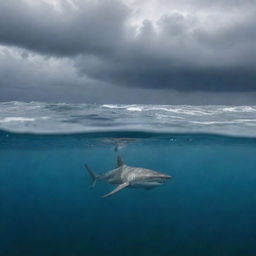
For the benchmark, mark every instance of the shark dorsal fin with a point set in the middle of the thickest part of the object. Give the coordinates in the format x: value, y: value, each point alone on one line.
x: 120, y: 161
x: 118, y: 188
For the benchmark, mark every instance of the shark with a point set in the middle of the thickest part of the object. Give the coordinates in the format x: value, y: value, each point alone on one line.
x: 124, y: 176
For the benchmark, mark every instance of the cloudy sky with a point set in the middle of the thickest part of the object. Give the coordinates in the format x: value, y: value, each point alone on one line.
x: 132, y: 51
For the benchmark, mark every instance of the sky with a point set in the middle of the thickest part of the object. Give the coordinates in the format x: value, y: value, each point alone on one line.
x: 132, y: 52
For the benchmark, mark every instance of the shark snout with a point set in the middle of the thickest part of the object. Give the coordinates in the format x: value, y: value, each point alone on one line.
x: 165, y: 176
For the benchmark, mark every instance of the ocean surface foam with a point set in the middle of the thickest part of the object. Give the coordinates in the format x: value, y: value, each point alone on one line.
x: 16, y: 119
x: 59, y: 118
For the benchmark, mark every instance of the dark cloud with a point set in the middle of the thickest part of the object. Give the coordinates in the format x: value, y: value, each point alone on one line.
x: 95, y: 45
x: 181, y: 79
x: 95, y: 27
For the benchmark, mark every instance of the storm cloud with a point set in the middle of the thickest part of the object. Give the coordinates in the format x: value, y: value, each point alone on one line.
x: 91, y: 47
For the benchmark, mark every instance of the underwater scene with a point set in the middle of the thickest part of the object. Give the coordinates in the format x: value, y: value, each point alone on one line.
x: 184, y: 180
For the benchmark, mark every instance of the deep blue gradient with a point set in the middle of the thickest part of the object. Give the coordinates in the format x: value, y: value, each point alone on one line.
x: 47, y: 207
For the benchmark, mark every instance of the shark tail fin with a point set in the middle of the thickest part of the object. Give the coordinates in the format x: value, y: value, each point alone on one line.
x: 93, y: 175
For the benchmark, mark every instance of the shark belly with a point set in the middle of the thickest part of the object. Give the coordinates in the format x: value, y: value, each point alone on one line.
x: 145, y: 184
x: 114, y: 180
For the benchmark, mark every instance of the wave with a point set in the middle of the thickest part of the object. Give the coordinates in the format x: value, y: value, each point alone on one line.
x: 16, y: 119
x: 60, y: 118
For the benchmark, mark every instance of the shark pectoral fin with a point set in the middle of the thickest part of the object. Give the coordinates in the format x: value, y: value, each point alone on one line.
x: 118, y: 188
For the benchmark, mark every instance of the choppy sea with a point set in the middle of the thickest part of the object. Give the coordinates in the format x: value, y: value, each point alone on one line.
x: 48, y: 208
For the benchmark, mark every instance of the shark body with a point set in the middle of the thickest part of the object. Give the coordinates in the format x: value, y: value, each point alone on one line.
x: 127, y: 176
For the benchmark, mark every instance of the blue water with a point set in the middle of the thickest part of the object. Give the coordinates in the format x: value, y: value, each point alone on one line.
x: 47, y: 207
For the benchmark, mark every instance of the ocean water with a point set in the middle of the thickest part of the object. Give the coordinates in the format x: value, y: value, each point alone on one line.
x: 48, y: 208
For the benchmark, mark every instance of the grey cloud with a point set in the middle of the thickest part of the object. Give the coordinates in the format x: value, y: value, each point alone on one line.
x: 95, y: 27
x: 178, y: 52
x: 207, y: 4
x: 28, y: 77
x: 180, y: 57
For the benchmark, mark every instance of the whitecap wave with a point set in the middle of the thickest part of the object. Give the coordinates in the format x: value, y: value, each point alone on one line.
x: 112, y: 106
x: 134, y: 109
x: 39, y: 117
x: 240, y: 109
x: 16, y: 119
